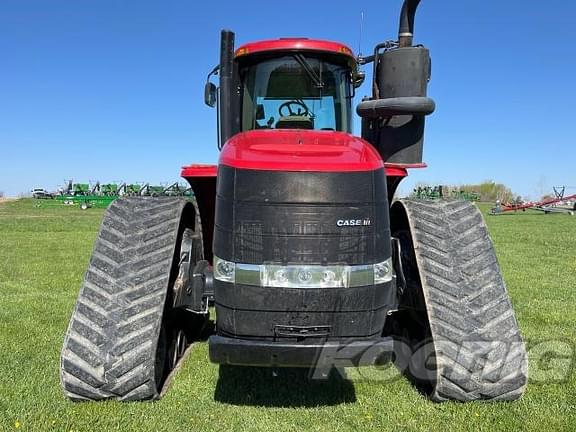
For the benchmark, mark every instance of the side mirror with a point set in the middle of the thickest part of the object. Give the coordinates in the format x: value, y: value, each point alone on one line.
x: 358, y: 78
x: 210, y: 94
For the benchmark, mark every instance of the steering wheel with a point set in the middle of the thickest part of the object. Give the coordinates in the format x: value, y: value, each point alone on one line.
x: 302, y: 109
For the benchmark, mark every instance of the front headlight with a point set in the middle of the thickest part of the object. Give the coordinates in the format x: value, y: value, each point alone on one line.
x: 383, y: 272
x: 224, y: 270
x: 294, y: 276
x: 303, y: 276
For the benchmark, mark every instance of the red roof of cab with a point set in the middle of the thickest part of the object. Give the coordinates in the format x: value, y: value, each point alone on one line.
x: 286, y: 44
x: 300, y: 150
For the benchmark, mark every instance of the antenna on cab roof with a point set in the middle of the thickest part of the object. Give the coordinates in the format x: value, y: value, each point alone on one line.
x: 360, y: 38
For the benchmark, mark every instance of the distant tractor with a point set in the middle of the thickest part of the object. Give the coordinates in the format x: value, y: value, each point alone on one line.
x: 295, y: 239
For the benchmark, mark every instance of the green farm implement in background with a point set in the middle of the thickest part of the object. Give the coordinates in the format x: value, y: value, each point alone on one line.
x: 86, y: 201
x: 465, y: 195
x: 428, y: 192
x: 86, y: 195
x: 81, y: 189
x: 442, y: 191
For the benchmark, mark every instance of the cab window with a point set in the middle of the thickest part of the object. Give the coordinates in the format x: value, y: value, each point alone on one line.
x: 296, y: 92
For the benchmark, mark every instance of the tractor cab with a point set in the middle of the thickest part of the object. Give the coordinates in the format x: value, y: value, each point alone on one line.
x: 290, y: 83
x: 289, y: 89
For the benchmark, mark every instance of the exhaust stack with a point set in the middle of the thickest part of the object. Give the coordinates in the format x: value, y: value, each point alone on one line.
x: 393, y: 118
x: 226, y: 115
x: 406, y: 30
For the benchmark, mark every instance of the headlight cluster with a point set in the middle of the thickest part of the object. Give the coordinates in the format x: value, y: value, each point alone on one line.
x: 303, y: 276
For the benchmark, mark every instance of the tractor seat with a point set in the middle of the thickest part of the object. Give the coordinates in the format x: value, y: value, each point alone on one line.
x: 295, y: 122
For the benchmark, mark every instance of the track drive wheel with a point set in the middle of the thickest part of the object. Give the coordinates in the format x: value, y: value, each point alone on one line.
x: 125, y: 336
x: 458, y: 336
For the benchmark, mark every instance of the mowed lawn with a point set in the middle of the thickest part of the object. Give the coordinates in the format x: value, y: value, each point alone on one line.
x: 44, y: 252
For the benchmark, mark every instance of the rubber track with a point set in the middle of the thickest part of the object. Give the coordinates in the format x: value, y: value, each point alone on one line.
x: 110, y: 348
x: 480, y: 354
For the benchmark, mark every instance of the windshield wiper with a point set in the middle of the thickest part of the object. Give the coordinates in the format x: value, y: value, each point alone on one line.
x: 304, y: 63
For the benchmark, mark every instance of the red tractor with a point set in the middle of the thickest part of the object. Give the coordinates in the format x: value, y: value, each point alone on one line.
x: 296, y: 240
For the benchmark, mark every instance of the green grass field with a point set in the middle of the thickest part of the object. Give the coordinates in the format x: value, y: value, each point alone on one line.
x: 43, y: 255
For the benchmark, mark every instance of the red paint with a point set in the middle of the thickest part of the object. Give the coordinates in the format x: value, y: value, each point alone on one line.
x: 404, y: 166
x: 395, y: 171
x: 300, y: 150
x: 295, y: 44
x: 284, y: 152
x: 400, y: 170
x: 199, y: 170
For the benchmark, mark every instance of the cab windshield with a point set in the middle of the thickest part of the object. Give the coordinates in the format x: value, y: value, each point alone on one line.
x: 296, y: 91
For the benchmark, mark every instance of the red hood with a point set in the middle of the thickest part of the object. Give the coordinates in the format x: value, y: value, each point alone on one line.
x: 300, y: 150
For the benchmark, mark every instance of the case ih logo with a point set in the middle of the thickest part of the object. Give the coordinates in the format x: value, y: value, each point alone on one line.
x: 353, y: 222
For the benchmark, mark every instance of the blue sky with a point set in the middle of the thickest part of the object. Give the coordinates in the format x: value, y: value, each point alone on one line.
x: 113, y: 90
